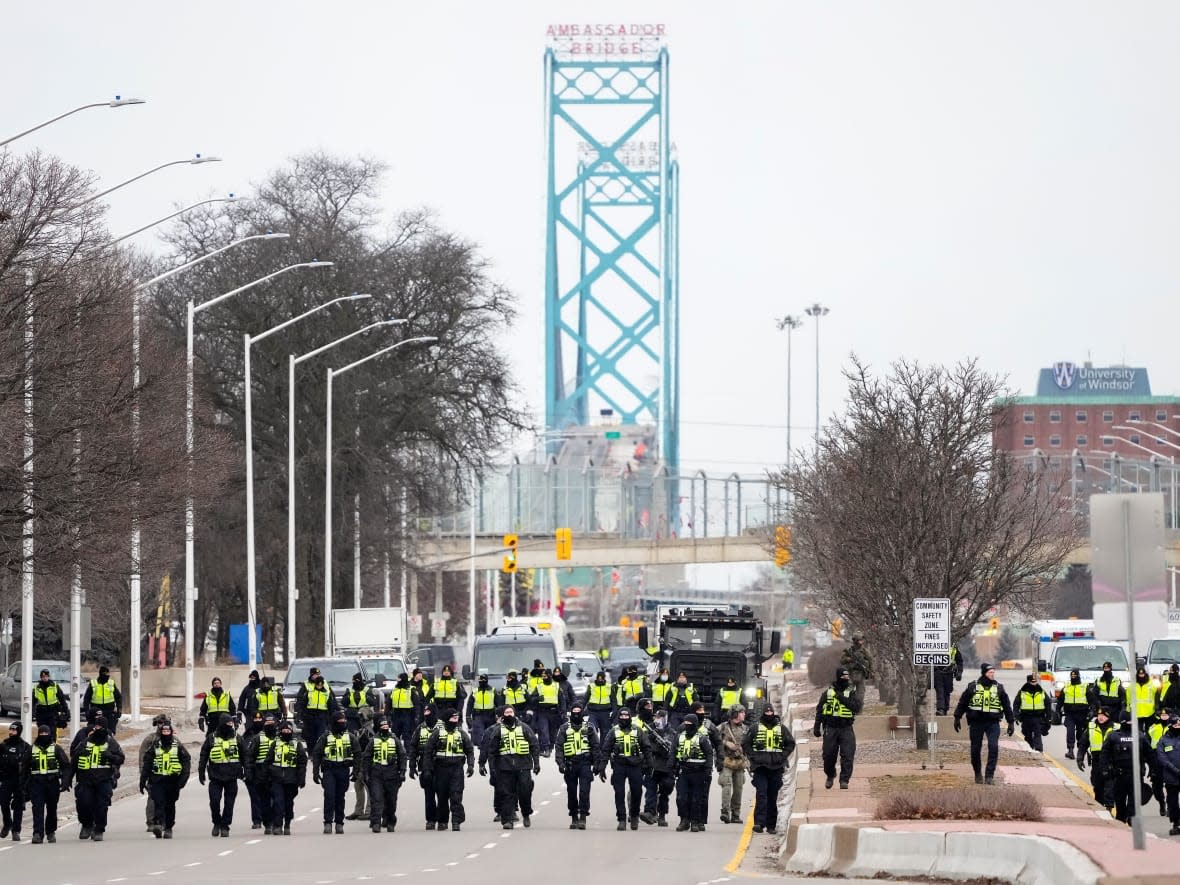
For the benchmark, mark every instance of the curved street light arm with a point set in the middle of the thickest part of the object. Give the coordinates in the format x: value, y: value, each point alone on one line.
x: 119, y: 102
x: 313, y: 353
x: 230, y: 199
x: 260, y: 281
x: 382, y: 352
x: 254, y: 339
x: 198, y: 159
x: 207, y: 256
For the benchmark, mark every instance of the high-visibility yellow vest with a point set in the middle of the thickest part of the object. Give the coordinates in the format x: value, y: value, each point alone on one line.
x: 1144, y: 700
x: 484, y: 700
x: 1074, y: 694
x: 626, y: 743
x: 1108, y: 690
x: 659, y: 691
x: 600, y: 695
x: 217, y: 703
x: 451, y: 745
x: 401, y: 699
x: 689, y: 748
x: 268, y: 700
x: 789, y: 656
x: 424, y: 733
x: 356, y: 699
x: 628, y: 689
x: 1155, y: 731
x: 446, y: 690
x: 384, y: 750
x: 513, y: 742
x: 986, y: 699
x: 222, y: 750
x: 1097, y: 736
x: 575, y: 743
x: 338, y: 748
x: 166, y: 762
x: 45, y: 760
x: 102, y: 693
x: 264, y: 743
x: 547, y: 694
x: 674, y: 694
x: 768, y: 739
x: 1034, y: 701
x: 729, y: 697
x: 423, y: 686
x: 45, y: 697
x: 317, y: 700
x: 533, y: 682
x: 286, y: 754
x: 514, y: 696
x: 93, y: 758
x: 834, y: 705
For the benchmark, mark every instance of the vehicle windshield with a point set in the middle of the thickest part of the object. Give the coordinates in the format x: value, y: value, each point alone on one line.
x: 57, y: 672
x: 390, y: 668
x: 1088, y: 657
x: 704, y: 637
x: 583, y: 665
x: 1165, y: 651
x: 498, y: 659
x: 333, y: 671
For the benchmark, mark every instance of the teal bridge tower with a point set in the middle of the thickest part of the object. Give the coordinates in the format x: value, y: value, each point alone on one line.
x: 612, y: 326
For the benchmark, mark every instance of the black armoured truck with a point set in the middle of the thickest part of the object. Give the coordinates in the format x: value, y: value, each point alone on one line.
x: 711, y: 644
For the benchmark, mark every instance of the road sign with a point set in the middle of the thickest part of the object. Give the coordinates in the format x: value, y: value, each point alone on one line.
x: 414, y: 624
x: 613, y: 434
x: 798, y: 622
x: 932, y: 632
x: 438, y: 628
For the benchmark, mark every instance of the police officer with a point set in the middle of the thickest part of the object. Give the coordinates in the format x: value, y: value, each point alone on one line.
x: 1096, y: 733
x: 549, y: 711
x: 246, y: 698
x: 257, y: 774
x: 404, y: 709
x: 331, y: 765
x: 769, y: 745
x: 733, y: 762
x: 420, y: 684
x: 167, y: 774
x: 95, y: 764
x: 984, y: 702
x: 516, y: 757
x: 707, y: 726
x: 361, y: 704
x: 858, y: 662
x: 629, y: 690
x: 599, y: 703
x: 1106, y: 691
x: 834, y: 715
x: 1032, y: 708
x: 576, y: 749
x: 147, y: 747
x: 727, y: 698
x: 315, y: 706
x: 267, y: 699
x: 481, y: 709
x: 944, y: 681
x: 221, y: 765
x: 629, y: 753
x: 45, y: 774
x: 49, y: 704
x: 448, y: 691
x: 680, y: 698
x: 12, y: 800
x: 383, y: 765
x: 658, y: 690
x: 416, y: 751
x: 788, y: 658
x: 1167, y: 753
x: 1141, y: 697
x: 659, y: 779
x: 103, y: 696
x: 447, y: 749
x: 565, y: 690
x: 286, y: 765
x: 1073, y: 709
x: 514, y: 694
x: 217, y: 705
x: 1119, y: 774
x: 1168, y: 697
x: 694, y: 770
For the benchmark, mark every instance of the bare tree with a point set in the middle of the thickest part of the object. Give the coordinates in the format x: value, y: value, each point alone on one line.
x: 905, y: 497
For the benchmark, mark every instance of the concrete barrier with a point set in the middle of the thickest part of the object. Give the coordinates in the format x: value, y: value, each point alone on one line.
x: 901, y: 853
x: 1030, y: 860
x: 812, y: 849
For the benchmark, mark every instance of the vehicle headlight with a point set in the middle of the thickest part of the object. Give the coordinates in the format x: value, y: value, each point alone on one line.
x: 1060, y: 686
x: 752, y: 692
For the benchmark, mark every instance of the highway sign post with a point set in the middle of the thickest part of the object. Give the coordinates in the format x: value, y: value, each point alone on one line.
x: 932, y: 647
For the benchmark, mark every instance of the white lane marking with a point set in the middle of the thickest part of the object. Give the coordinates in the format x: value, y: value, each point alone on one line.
x: 5, y: 848
x: 363, y: 878
x: 505, y: 835
x: 120, y: 879
x: 195, y: 863
x: 301, y: 817
x: 158, y: 873
x: 430, y: 870
x: 452, y: 863
x: 472, y: 856
x: 224, y: 853
x: 490, y: 845
x: 545, y: 802
x: 314, y: 810
x: 555, y: 793
x: 398, y: 875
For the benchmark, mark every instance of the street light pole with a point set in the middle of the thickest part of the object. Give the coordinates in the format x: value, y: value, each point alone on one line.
x: 190, y: 588
x: 790, y: 323
x: 119, y: 102
x: 816, y: 311
x: 292, y: 362
x: 335, y: 373
x: 251, y: 583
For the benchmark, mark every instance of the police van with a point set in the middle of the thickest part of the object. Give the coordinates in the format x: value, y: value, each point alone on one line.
x: 1065, y: 645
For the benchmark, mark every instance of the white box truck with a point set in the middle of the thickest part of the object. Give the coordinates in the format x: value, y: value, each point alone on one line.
x: 366, y: 632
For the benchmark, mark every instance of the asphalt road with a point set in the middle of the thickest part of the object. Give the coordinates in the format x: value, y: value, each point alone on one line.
x: 1055, y: 749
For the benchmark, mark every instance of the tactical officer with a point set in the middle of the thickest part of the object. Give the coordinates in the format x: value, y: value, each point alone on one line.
x: 267, y: 699
x: 659, y: 779
x: 1032, y: 707
x: 12, y: 799
x: 45, y: 774
x: 481, y: 709
x: 513, y: 694
x: 93, y: 718
x: 1167, y: 752
x: 944, y: 681
x: 1106, y: 691
x: 516, y: 757
x: 629, y: 753
x: 314, y: 708
x: 658, y: 690
x: 694, y: 771
x: 246, y: 698
x: 707, y: 726
x: 448, y: 691
x: 96, y: 765
x: 221, y: 764
x: 447, y: 749
x: 147, y: 749
x: 286, y: 765
x: 383, y: 765
x: 597, y: 701
x: 331, y: 765
x: 217, y: 705
x: 420, y: 684
x: 576, y: 749
x: 258, y: 775
x: 1096, y: 734
x: 416, y: 751
x: 859, y: 663
x: 49, y: 704
x: 361, y: 704
x: 985, y: 702
x: 1119, y: 774
x: 404, y: 709
x: 680, y: 698
x: 731, y: 775
x: 727, y: 698
x: 167, y: 774
x: 630, y: 689
x: 1073, y: 710
x: 549, y: 712
x: 103, y: 696
x: 834, y: 715
x: 769, y: 746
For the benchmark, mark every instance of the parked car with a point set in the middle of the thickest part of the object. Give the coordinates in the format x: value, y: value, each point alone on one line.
x: 432, y: 658
x: 387, y: 667
x: 12, y: 691
x: 623, y: 656
x: 583, y: 667
x: 337, y: 674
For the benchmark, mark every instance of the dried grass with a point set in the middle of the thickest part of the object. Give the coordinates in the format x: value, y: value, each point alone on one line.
x: 974, y: 803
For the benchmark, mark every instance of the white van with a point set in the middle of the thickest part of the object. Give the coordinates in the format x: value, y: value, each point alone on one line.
x: 1087, y: 657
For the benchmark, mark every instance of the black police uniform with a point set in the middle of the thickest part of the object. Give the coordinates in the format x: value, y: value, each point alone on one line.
x: 332, y: 760
x: 95, y: 764
x: 659, y: 780
x: 834, y: 716
x: 103, y: 696
x: 383, y: 766
x: 984, y: 702
x: 515, y: 756
x: 768, y: 745
x: 1032, y: 707
x: 45, y: 775
x: 286, y: 772
x: 694, y: 771
x: 1073, y: 710
x: 599, y: 703
x: 217, y: 706
x: 314, y: 707
x: 628, y: 750
x: 222, y: 764
x: 447, y: 749
x: 1091, y: 745
x: 257, y: 777
x: 481, y: 710
x: 576, y: 749
x: 168, y: 770
x: 416, y: 750
x: 944, y: 681
x: 1119, y: 769
x: 12, y: 799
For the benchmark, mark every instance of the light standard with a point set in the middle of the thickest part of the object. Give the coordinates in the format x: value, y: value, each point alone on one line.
x: 119, y: 102
x: 790, y: 323
x: 334, y: 373
x: 190, y: 589
x: 251, y: 585
x: 816, y: 311
x: 292, y: 362
x: 228, y: 199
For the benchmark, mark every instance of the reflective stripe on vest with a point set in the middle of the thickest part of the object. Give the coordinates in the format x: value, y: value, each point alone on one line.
x: 600, y: 695
x: 626, y: 743
x: 1108, y: 690
x: 986, y: 699
x: 446, y: 690
x: 286, y: 754
x: 384, y: 750
x: 689, y: 748
x: 224, y: 751
x: 317, y: 700
x: 1154, y: 732
x: 547, y: 694
x: 92, y: 758
x: 513, y: 696
x: 424, y: 733
x: 513, y: 742
x: 485, y: 700
x: 729, y: 697
x: 356, y: 699
x: 401, y: 699
x: 675, y: 694
x: 1097, y: 736
x: 575, y: 743
x: 102, y: 693
x: 768, y: 739
x: 166, y: 762
x: 1144, y: 700
x: 45, y: 697
x: 632, y: 688
x: 264, y: 743
x: 338, y: 749
x: 268, y: 700
x: 45, y: 760
x: 834, y: 706
x: 659, y: 691
x: 217, y: 703
x: 1075, y: 694
x: 1033, y: 700
x: 451, y: 744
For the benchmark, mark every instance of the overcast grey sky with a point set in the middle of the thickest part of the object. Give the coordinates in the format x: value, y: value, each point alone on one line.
x: 996, y: 180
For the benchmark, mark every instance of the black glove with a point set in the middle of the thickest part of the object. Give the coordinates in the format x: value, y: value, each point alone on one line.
x: 302, y: 784
x: 818, y: 730
x: 537, y: 767
x: 470, y: 771
x: 315, y: 778
x: 201, y: 724
x: 413, y: 774
x: 352, y: 778
x: 142, y: 788
x: 201, y: 778
x: 483, y: 770
x: 65, y: 788
x: 1045, y: 729
x: 602, y: 776
x: 1011, y: 729
x: 1081, y: 762
x: 958, y: 724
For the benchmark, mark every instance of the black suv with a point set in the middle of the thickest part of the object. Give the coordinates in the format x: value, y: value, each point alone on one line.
x: 432, y: 658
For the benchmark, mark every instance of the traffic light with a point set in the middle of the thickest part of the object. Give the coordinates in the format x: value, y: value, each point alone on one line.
x: 782, y: 545
x: 994, y: 625
x: 565, y: 544
x: 837, y: 628
x: 509, y: 566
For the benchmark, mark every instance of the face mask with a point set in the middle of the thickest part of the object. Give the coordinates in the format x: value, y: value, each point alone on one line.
x: 452, y: 725
x: 509, y: 722
x: 1074, y: 679
x: 286, y: 735
x: 663, y: 677
x: 690, y: 730
x: 270, y: 730
x: 1141, y: 678
x: 99, y: 736
x: 217, y: 689
x: 769, y: 718
x: 319, y: 685
x: 600, y: 680
x: 646, y: 714
x: 429, y: 718
x: 103, y: 678
x: 548, y: 680
x: 625, y: 724
x: 385, y: 731
x: 226, y: 731
x: 338, y: 727
x: 358, y: 684
x: 44, y: 740
x: 165, y: 741
x: 575, y: 719
x: 512, y: 682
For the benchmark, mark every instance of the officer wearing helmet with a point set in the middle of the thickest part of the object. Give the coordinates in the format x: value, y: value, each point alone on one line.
x: 834, y: 714
x: 858, y: 662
